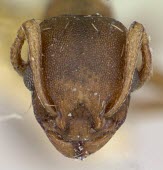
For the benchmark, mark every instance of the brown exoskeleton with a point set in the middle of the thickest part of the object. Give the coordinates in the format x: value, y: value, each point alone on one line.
x: 81, y: 71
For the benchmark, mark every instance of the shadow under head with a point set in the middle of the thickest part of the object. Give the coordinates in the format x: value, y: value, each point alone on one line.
x: 81, y: 71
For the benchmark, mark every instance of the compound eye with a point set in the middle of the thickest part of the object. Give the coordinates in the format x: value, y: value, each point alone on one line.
x: 135, y: 81
x: 28, y: 78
